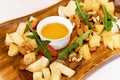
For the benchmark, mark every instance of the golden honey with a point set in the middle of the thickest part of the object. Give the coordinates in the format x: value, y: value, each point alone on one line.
x: 54, y: 31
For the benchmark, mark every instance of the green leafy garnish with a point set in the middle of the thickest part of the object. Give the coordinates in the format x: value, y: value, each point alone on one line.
x: 74, y: 45
x: 27, y: 28
x: 45, y: 42
x: 107, y: 20
x: 30, y: 36
x: 82, y: 14
x: 41, y: 44
x: 82, y: 37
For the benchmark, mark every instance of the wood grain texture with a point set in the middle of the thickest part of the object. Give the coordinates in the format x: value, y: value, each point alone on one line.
x: 9, y: 66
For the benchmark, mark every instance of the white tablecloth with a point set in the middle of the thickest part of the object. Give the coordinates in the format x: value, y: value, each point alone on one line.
x: 10, y: 9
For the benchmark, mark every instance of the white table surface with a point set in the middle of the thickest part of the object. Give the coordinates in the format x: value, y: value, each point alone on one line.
x: 10, y: 9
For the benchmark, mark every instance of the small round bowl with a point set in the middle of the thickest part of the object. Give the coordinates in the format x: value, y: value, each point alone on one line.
x: 56, y: 43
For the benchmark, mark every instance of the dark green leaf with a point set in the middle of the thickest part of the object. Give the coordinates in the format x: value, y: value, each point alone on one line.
x: 110, y: 25
x: 82, y: 37
x: 82, y: 14
x: 66, y: 51
x: 111, y: 17
x: 74, y: 45
x: 37, y: 49
x: 27, y: 28
x: 30, y: 36
x: 107, y: 20
x: 41, y: 45
x: 45, y: 42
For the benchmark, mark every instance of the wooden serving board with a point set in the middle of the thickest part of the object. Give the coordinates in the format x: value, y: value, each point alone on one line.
x: 9, y: 66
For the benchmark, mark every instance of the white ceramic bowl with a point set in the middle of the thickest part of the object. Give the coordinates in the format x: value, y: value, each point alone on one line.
x: 56, y: 43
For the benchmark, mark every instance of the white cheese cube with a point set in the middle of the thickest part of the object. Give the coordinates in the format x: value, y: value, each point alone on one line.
x: 38, y: 65
x: 13, y: 50
x: 8, y: 40
x: 21, y: 28
x: 17, y: 39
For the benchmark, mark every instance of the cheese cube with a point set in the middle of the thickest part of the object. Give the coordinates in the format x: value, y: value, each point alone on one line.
x: 38, y: 65
x: 13, y: 50
x: 21, y: 28
x: 17, y: 39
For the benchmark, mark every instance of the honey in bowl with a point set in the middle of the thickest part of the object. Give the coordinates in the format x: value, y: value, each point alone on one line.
x: 54, y: 31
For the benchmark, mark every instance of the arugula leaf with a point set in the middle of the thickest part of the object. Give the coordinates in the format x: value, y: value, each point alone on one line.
x: 107, y: 20
x: 82, y: 14
x: 37, y: 49
x: 41, y: 45
x: 66, y: 51
x: 27, y: 28
x: 82, y: 37
x: 45, y: 42
x: 111, y: 17
x: 74, y: 45
x: 30, y: 36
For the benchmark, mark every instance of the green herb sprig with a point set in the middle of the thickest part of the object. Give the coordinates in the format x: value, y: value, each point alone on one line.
x: 74, y: 45
x: 41, y: 44
x: 82, y: 14
x: 107, y: 20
